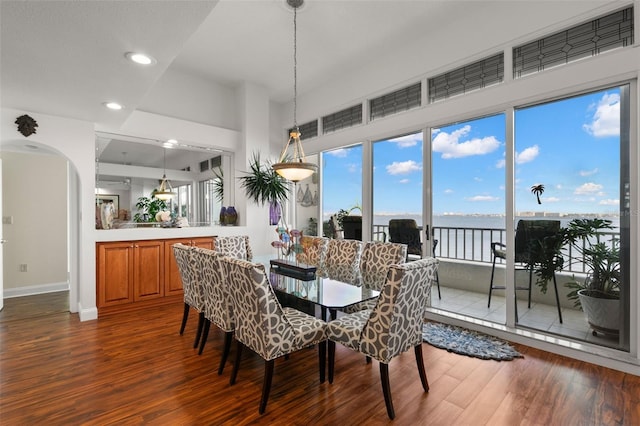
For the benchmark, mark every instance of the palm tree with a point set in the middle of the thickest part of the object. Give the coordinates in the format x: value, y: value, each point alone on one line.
x: 538, y: 190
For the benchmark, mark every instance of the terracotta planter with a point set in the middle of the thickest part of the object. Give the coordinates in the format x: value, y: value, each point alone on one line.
x: 603, y: 315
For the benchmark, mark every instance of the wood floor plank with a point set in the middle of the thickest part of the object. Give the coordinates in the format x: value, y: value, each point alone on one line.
x: 134, y: 368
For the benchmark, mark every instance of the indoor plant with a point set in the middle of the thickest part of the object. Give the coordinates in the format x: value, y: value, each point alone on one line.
x: 263, y: 185
x: 599, y: 292
x: 148, y: 207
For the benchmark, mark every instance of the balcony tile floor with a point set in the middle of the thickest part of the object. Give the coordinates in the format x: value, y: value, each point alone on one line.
x: 540, y: 317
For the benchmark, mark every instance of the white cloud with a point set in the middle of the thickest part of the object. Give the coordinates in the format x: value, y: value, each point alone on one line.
x: 403, y: 167
x: 500, y: 164
x: 482, y: 198
x: 448, y: 191
x: 451, y: 146
x: 353, y: 168
x: 341, y: 152
x: 609, y: 202
x: 551, y: 199
x: 404, y: 181
x: 408, y: 140
x: 477, y: 179
x: 606, y: 118
x: 585, y: 173
x: 588, y: 188
x: 527, y: 155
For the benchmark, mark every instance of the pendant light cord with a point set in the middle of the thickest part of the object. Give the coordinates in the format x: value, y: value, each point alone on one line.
x: 295, y: 67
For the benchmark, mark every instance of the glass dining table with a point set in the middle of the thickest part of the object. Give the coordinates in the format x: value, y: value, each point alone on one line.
x: 305, y: 292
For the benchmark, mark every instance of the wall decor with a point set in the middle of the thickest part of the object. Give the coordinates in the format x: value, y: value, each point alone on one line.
x: 26, y: 125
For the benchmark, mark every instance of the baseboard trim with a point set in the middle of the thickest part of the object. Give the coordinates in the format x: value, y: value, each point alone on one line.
x: 35, y: 289
x: 89, y: 314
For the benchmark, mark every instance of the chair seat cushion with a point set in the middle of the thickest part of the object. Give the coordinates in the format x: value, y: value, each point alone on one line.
x: 308, y: 330
x: 346, y: 330
x: 500, y: 252
x: 360, y: 306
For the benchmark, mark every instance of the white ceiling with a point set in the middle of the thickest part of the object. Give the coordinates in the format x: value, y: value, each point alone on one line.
x: 66, y: 58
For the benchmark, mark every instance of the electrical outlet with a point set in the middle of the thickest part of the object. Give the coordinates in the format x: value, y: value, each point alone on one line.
x: 23, y: 267
x: 7, y: 220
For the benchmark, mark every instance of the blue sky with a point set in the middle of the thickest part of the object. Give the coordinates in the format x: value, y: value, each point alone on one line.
x: 570, y: 146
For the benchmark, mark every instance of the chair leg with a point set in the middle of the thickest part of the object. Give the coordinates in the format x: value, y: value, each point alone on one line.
x: 386, y: 389
x: 555, y: 286
x: 421, y: 370
x: 368, y: 359
x: 236, y: 364
x: 205, y: 335
x: 332, y: 359
x: 493, y: 270
x: 322, y: 359
x: 185, y: 316
x: 225, y: 352
x: 438, y: 283
x: 199, y: 331
x: 266, y: 384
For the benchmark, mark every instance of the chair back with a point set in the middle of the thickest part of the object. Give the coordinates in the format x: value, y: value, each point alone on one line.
x: 216, y: 300
x: 376, y: 259
x: 405, y: 231
x: 395, y: 324
x: 352, y: 227
x: 343, y: 261
x: 236, y: 246
x: 260, y: 323
x: 532, y: 236
x: 186, y: 267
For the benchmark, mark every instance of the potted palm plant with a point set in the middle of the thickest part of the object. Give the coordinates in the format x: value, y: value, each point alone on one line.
x: 598, y: 293
x: 263, y: 185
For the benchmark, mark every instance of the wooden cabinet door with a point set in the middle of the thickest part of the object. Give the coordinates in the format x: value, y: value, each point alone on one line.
x: 114, y: 281
x: 172, y: 280
x: 148, y: 274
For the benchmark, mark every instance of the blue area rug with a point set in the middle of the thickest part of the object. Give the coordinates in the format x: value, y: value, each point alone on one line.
x: 467, y: 342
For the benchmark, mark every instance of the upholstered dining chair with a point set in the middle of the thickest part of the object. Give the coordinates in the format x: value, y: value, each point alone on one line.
x: 343, y: 260
x: 531, y: 236
x: 393, y: 326
x: 375, y: 261
x: 236, y: 246
x: 263, y: 325
x: 217, y: 303
x: 191, y: 288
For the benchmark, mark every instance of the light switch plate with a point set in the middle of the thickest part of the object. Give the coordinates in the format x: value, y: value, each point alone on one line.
x: 7, y: 220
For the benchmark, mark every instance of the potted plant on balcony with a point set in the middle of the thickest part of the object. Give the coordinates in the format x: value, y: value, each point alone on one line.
x: 263, y: 185
x: 599, y: 292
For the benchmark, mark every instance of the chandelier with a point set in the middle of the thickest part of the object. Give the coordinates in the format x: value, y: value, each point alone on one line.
x: 294, y: 168
x: 165, y: 191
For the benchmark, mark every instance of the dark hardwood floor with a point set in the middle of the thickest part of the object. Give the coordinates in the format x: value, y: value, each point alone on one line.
x: 134, y: 368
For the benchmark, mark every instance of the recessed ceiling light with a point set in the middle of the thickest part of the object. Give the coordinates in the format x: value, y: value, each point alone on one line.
x: 140, y: 58
x: 113, y: 105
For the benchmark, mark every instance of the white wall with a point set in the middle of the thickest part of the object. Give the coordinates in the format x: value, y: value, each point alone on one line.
x: 34, y: 194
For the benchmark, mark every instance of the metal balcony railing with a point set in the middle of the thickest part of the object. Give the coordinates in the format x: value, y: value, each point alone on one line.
x: 474, y: 244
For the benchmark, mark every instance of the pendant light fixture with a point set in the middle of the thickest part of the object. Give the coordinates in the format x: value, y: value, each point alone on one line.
x: 165, y: 192
x: 294, y: 168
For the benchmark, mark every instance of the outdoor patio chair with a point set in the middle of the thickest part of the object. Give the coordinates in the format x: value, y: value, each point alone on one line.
x: 530, y: 236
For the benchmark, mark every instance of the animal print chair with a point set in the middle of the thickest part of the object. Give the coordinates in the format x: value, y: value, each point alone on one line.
x: 217, y: 303
x: 393, y: 326
x: 192, y: 291
x: 263, y: 325
x: 236, y: 246
x: 343, y: 261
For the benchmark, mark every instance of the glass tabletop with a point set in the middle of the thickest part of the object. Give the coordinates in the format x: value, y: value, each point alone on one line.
x: 325, y: 292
